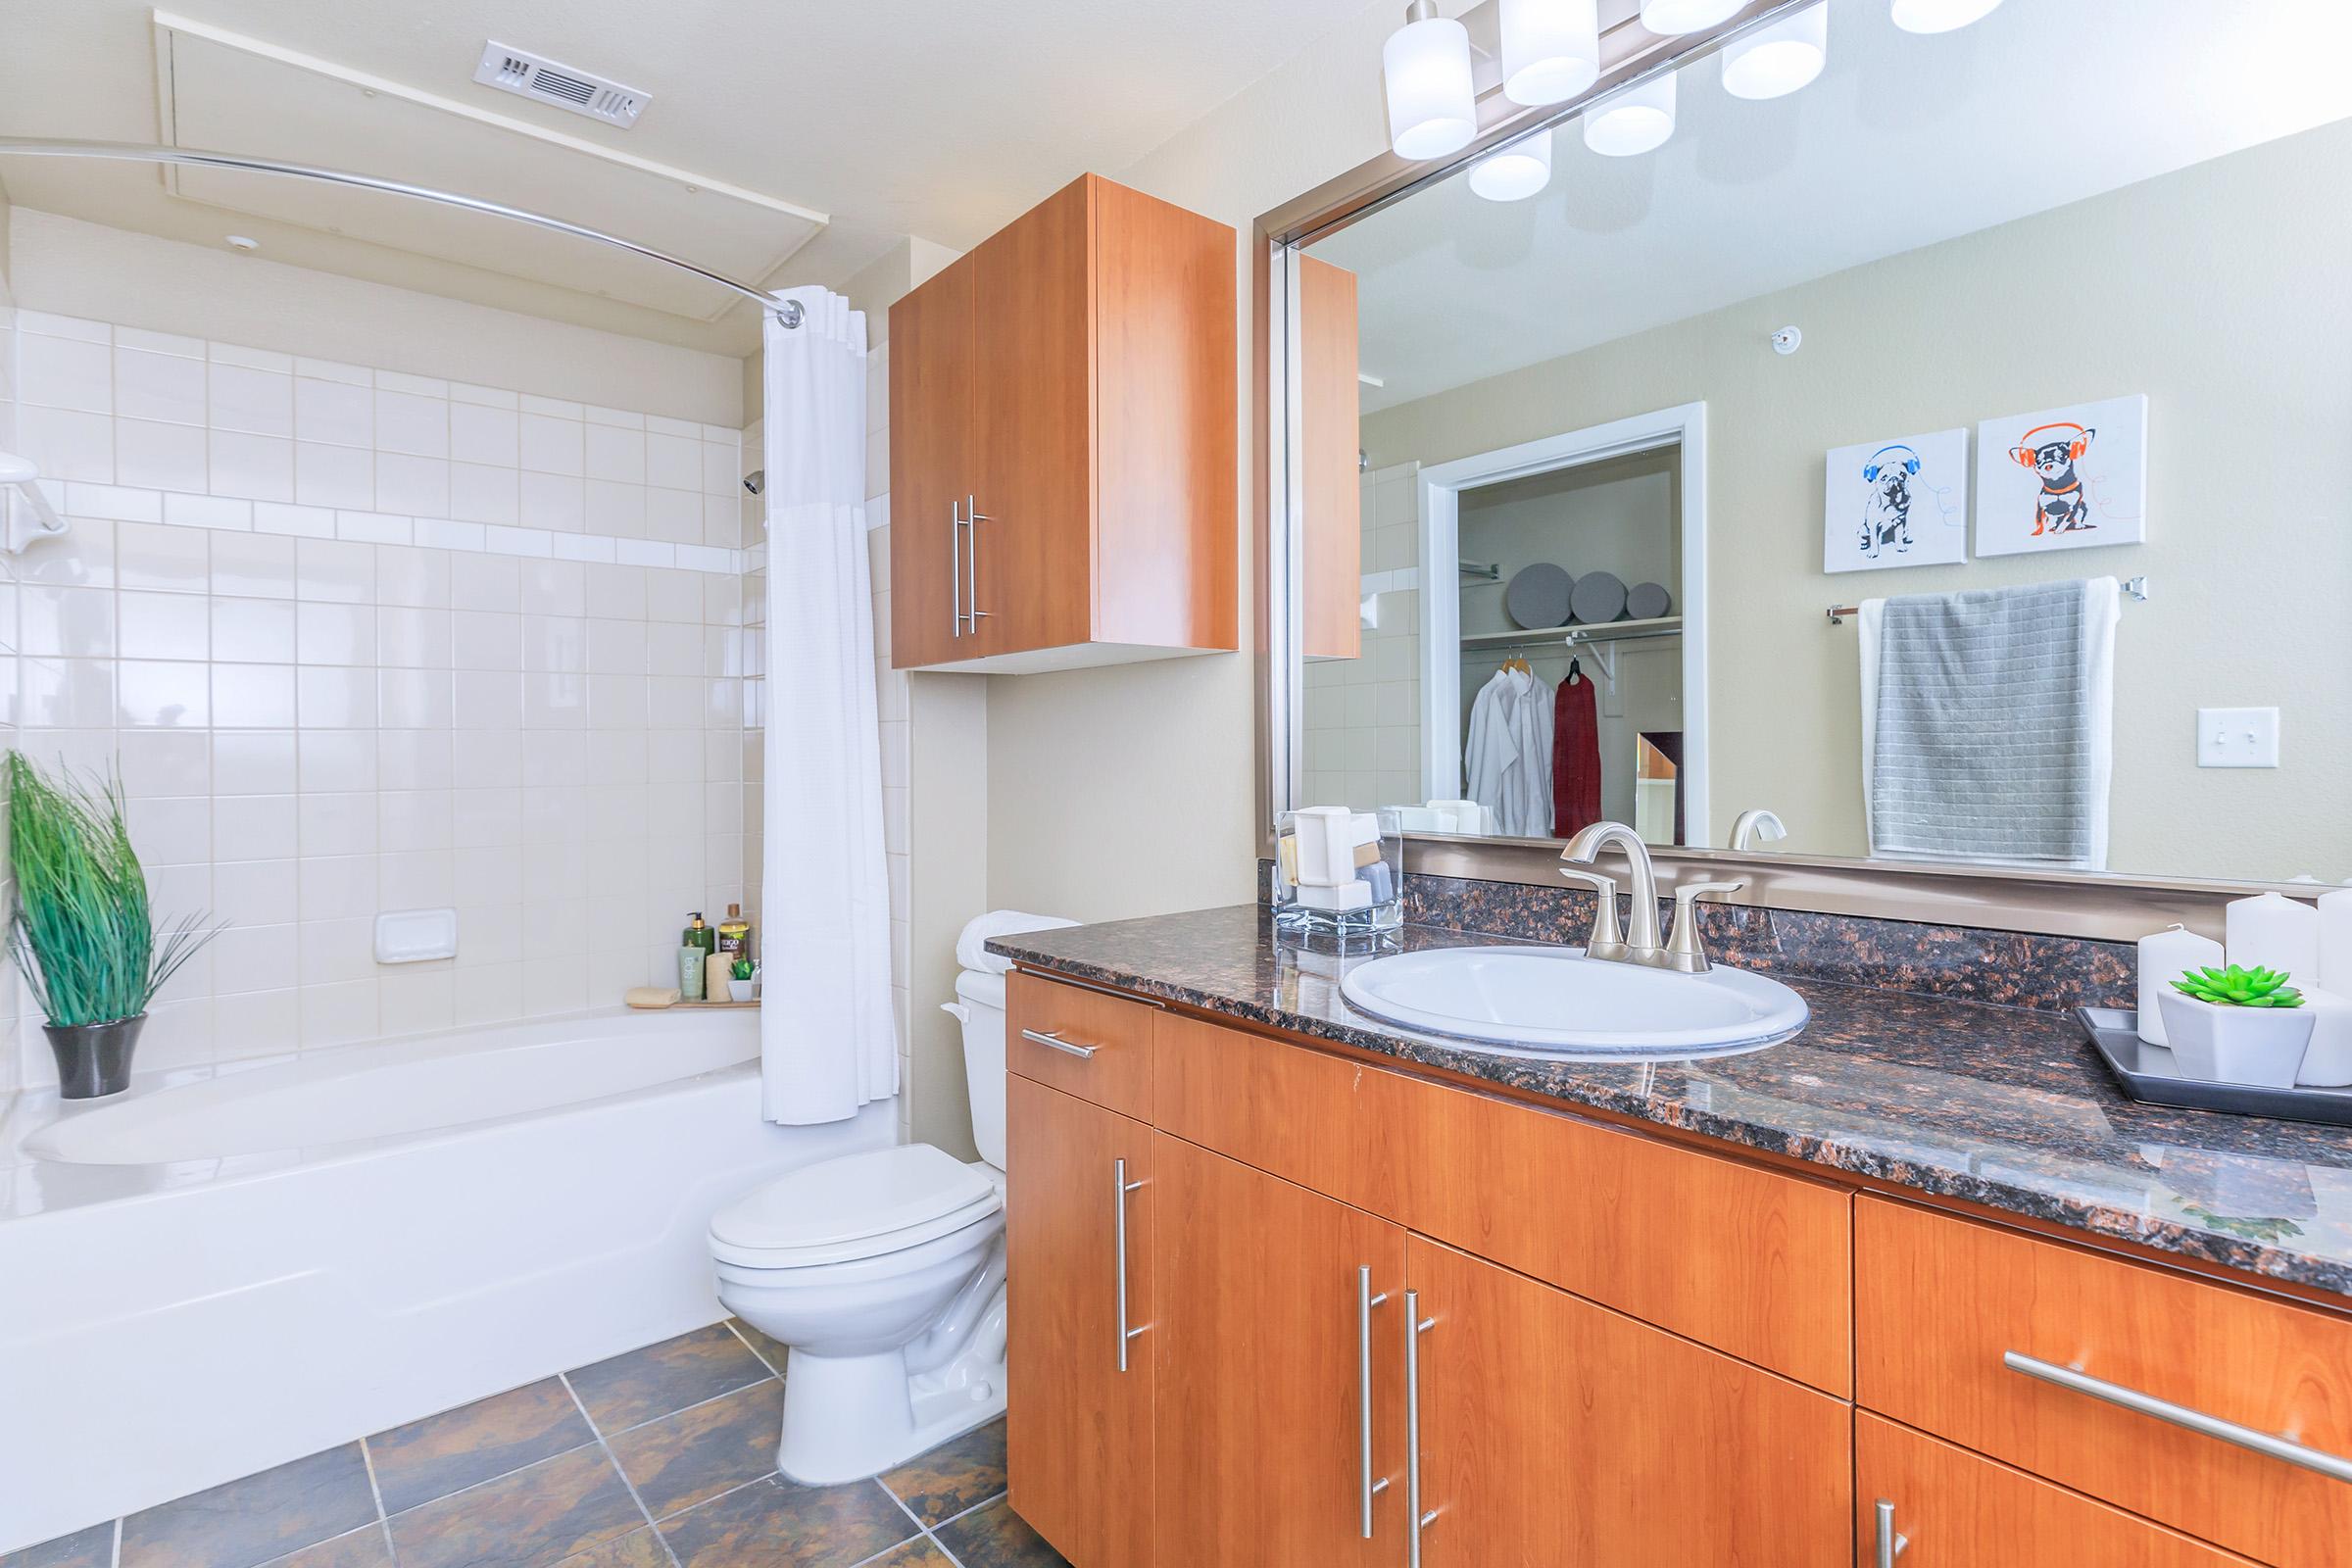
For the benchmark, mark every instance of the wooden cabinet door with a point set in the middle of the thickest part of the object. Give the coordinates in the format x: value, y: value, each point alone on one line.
x: 1331, y: 528
x: 1034, y: 428
x: 1557, y: 1434
x: 1262, y: 1324
x: 931, y: 391
x: 1951, y: 1509
x: 1079, y: 1427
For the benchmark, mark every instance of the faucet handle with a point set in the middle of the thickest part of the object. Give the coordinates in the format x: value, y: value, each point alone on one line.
x: 1607, y: 940
x: 1685, y: 954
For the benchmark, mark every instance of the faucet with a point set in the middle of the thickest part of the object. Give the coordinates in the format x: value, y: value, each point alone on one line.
x: 1640, y: 945
x: 1752, y: 825
x: 1684, y: 953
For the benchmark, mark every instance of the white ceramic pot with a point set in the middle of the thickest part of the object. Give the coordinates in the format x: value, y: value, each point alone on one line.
x: 2261, y: 1046
x: 738, y: 989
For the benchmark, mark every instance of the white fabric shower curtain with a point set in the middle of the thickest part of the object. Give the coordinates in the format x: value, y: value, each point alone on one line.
x: 827, y: 1042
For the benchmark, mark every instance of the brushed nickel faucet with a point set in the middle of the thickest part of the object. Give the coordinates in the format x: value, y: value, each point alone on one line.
x: 1684, y: 951
x: 1640, y: 944
x: 1754, y: 824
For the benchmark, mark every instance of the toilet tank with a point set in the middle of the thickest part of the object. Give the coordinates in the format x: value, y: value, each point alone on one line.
x: 980, y: 998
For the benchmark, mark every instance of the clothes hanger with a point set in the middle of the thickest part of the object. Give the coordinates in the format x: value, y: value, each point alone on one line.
x: 1576, y: 669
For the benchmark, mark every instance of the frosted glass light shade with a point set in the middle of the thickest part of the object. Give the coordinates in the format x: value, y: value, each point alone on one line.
x: 1940, y: 16
x: 1775, y: 60
x: 1433, y: 107
x: 1550, y: 49
x: 1516, y: 172
x: 1667, y: 18
x: 1633, y: 120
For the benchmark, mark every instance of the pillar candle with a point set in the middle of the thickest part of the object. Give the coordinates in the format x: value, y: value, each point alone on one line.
x: 2336, y: 942
x: 2273, y: 932
x: 2162, y: 958
x: 2327, y: 1065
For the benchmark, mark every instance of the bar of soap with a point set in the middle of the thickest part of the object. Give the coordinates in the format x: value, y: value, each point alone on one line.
x: 652, y: 996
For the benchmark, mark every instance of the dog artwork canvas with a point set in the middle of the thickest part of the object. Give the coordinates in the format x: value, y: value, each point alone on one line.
x: 2063, y: 479
x: 1896, y: 504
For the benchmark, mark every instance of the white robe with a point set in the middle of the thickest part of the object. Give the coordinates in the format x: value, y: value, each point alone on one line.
x: 1509, y: 757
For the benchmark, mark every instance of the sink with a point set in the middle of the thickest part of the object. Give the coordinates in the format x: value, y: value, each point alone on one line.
x: 1555, y: 1000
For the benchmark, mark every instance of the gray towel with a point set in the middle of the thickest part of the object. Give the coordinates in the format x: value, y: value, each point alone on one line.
x: 1988, y: 720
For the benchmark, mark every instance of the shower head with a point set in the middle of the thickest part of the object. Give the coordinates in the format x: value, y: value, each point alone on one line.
x: 20, y: 486
x: 756, y: 480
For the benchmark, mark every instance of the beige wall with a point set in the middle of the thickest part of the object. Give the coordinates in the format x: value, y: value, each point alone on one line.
x: 69, y: 267
x: 1131, y: 790
x: 2214, y: 291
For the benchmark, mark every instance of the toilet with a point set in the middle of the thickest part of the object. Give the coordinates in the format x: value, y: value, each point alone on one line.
x: 884, y: 1274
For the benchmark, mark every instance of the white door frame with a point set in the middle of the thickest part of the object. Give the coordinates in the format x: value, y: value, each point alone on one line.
x: 1442, y: 488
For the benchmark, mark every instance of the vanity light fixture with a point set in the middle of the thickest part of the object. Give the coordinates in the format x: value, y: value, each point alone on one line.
x: 1940, y: 16
x: 1550, y: 49
x: 1633, y: 120
x: 1671, y: 17
x: 1425, y: 66
x: 1515, y: 172
x: 1775, y: 60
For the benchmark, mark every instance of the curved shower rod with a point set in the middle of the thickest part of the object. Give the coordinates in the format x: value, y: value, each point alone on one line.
x: 786, y: 310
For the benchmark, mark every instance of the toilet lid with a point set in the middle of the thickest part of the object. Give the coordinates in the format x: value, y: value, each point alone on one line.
x: 855, y: 1199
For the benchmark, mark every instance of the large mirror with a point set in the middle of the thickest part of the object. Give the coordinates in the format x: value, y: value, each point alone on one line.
x: 1948, y: 461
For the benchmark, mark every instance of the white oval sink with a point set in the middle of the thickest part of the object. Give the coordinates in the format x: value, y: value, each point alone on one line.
x: 1556, y: 999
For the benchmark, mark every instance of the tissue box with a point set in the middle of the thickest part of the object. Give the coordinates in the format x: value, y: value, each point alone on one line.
x: 1339, y: 870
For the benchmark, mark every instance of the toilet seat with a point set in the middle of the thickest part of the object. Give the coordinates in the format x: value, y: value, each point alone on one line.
x: 853, y: 1207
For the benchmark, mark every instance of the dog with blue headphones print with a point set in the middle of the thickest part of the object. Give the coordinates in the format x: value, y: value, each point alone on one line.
x: 1886, y: 514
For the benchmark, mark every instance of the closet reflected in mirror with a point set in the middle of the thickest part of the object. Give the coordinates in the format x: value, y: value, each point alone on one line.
x: 1951, y: 459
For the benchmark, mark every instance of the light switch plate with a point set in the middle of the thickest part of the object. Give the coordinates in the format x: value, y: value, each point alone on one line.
x: 2237, y: 737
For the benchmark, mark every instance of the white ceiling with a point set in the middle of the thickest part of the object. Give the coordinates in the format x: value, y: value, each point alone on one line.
x: 1904, y: 141
x: 940, y: 119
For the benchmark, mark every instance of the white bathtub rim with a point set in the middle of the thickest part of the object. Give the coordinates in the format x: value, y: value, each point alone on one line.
x: 37, y: 1111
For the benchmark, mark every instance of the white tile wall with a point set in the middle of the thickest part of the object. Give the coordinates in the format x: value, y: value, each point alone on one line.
x: 330, y: 691
x: 1362, y: 716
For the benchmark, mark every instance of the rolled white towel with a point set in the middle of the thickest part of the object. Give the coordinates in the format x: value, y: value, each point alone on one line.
x: 971, y: 954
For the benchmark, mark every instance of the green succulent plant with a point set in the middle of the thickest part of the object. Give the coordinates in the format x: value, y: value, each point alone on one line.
x: 739, y: 969
x: 2238, y: 987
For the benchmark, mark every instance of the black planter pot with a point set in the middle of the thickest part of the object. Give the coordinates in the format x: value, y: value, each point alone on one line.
x: 94, y: 1060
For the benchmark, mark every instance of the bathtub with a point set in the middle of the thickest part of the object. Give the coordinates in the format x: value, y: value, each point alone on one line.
x: 210, y: 1277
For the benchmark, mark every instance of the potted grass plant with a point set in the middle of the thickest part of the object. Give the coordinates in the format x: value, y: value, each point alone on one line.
x: 80, y: 928
x: 2236, y: 1025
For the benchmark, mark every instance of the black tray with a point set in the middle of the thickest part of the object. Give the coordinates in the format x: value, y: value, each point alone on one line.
x: 2146, y: 1073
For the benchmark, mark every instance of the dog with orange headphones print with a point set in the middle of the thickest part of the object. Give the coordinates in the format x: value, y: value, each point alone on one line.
x: 2053, y: 452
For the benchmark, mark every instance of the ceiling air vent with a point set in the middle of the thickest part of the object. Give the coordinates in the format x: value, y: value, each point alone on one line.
x: 530, y: 76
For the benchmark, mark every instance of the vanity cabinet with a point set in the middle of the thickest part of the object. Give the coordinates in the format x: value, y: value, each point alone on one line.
x: 1082, y: 1472
x: 1375, y: 1317
x: 1331, y: 490
x: 1062, y: 434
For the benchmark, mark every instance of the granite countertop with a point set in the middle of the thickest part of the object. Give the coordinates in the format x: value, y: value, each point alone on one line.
x: 1999, y: 1106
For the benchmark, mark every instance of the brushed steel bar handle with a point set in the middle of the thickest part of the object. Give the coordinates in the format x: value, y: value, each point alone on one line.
x: 1118, y: 1231
x: 1416, y: 1326
x: 2181, y: 1415
x: 1889, y: 1544
x: 971, y: 531
x: 1365, y: 1301
x: 956, y: 563
x: 1053, y: 1040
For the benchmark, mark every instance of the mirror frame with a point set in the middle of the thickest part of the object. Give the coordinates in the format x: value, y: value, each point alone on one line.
x: 2105, y: 906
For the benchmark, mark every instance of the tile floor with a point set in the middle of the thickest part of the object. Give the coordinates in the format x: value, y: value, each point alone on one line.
x: 663, y: 1458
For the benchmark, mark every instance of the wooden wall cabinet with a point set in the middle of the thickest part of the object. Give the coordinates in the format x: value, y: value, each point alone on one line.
x: 1331, y: 522
x: 1388, y: 1320
x: 1062, y: 442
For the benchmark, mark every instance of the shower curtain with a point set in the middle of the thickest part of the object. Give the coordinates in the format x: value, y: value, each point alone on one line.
x: 826, y: 1037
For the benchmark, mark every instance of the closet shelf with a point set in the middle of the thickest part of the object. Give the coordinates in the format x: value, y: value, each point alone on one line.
x: 1616, y: 632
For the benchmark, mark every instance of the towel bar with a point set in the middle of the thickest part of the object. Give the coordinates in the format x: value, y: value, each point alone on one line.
x: 2134, y: 588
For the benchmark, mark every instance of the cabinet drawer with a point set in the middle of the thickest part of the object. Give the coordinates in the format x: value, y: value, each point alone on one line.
x: 1730, y: 1255
x: 1954, y: 1508
x: 1945, y: 1306
x: 1102, y: 1045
